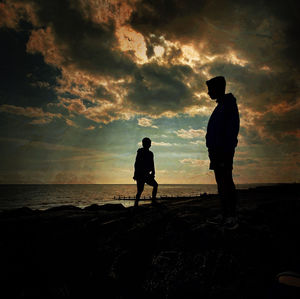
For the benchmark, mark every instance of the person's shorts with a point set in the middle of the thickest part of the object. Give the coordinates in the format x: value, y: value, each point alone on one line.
x: 220, y: 159
x: 149, y: 180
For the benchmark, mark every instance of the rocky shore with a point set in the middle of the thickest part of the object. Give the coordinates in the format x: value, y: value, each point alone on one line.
x: 151, y: 252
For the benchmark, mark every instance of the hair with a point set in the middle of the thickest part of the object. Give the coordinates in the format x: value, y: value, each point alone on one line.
x: 217, y: 83
x: 146, y: 141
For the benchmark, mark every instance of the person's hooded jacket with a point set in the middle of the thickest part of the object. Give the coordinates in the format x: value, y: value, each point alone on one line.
x: 223, y: 126
x: 144, y: 163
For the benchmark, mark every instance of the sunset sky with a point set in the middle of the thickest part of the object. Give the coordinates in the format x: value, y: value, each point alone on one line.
x: 83, y: 81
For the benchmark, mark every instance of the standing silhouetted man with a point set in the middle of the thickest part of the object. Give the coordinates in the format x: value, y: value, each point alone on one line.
x: 144, y: 171
x: 221, y: 140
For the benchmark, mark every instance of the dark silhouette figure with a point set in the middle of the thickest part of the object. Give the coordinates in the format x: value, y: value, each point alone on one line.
x: 221, y: 140
x: 144, y: 171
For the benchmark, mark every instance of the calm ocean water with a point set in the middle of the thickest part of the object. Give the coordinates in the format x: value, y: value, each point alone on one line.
x: 47, y: 196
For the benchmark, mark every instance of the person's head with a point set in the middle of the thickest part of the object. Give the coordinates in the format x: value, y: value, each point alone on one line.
x: 216, y: 87
x: 146, y: 142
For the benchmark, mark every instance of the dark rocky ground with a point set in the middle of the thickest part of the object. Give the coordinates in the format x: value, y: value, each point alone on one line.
x: 149, y: 252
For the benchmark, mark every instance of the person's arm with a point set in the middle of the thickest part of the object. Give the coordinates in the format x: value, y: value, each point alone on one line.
x: 137, y: 165
x: 153, y: 167
x: 231, y: 127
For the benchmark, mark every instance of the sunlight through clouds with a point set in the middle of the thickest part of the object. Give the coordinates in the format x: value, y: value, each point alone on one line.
x: 106, y: 73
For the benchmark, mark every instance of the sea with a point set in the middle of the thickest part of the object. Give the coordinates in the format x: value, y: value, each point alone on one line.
x: 47, y: 196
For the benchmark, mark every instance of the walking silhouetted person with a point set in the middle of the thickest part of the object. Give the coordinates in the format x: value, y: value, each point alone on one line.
x: 144, y: 171
x: 221, y: 140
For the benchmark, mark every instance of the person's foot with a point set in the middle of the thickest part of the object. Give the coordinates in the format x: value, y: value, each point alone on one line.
x: 230, y: 223
x: 217, y: 220
x: 136, y: 204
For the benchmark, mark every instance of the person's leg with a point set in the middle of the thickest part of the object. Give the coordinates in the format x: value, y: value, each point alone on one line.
x: 152, y: 182
x: 231, y: 196
x: 219, y: 218
x: 154, y: 191
x: 220, y: 179
x: 222, y: 166
x: 228, y: 198
x: 140, y: 189
x: 227, y: 191
x: 230, y: 193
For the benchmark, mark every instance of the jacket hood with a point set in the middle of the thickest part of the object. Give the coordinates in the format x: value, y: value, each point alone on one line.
x: 227, y: 98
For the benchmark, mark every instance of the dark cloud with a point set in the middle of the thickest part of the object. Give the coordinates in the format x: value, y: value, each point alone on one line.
x: 88, y: 45
x: 102, y: 92
x: 25, y: 79
x: 288, y: 13
x: 258, y: 89
x: 171, y: 18
x: 264, y: 33
x: 219, y: 20
x: 261, y: 33
x: 157, y: 89
x: 280, y: 124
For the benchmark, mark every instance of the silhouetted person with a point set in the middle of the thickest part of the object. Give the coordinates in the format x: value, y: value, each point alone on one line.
x: 144, y: 171
x: 221, y: 140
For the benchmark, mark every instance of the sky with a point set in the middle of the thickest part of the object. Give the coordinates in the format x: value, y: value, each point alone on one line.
x: 83, y: 81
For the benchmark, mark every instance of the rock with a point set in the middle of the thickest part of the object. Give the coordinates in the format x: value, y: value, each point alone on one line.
x: 63, y: 208
x: 18, y: 212
x: 102, y: 251
x: 106, y: 207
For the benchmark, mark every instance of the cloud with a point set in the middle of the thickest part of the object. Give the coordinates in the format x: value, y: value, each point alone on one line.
x: 100, y: 111
x: 43, y: 41
x: 158, y: 89
x: 190, y: 134
x: 255, y: 89
x: 164, y: 144
x: 159, y: 17
x: 198, y: 142
x: 27, y: 80
x: 71, y: 123
x: 11, y: 12
x: 76, y: 106
x: 41, y: 121
x: 255, y: 57
x: 146, y: 122
x: 193, y: 162
x: 40, y: 116
x: 101, y: 53
x: 91, y: 56
x: 8, y: 16
x: 95, y: 62
x: 95, y: 47
x: 97, y: 51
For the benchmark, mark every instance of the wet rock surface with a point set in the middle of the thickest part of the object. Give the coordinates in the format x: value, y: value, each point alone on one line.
x: 151, y: 252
